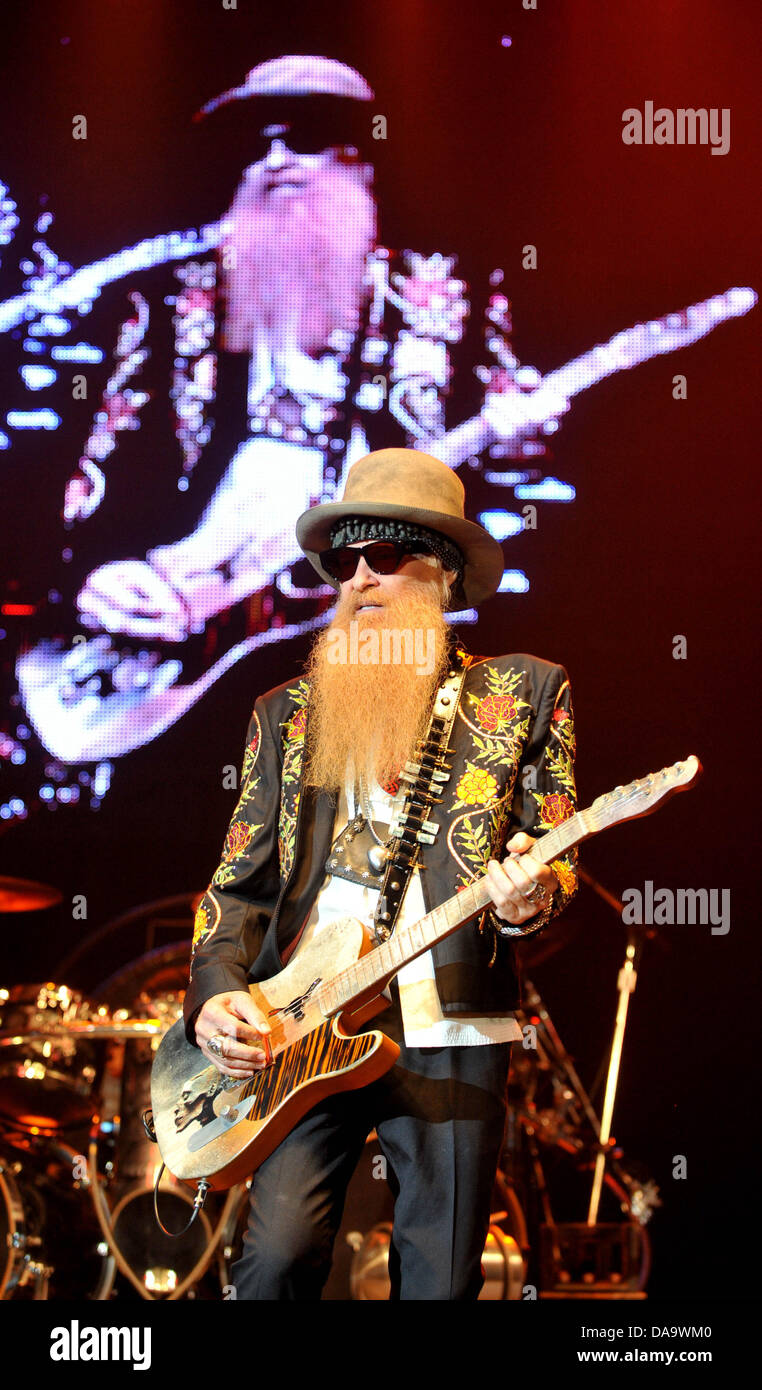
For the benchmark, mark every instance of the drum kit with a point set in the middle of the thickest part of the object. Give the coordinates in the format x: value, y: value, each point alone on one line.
x: 78, y: 1168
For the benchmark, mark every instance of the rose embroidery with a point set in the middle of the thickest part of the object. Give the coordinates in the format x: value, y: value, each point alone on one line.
x: 238, y: 838
x: 296, y: 726
x: 495, y: 712
x: 555, y: 807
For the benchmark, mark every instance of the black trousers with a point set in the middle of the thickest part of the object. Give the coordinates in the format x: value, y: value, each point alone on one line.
x: 440, y: 1116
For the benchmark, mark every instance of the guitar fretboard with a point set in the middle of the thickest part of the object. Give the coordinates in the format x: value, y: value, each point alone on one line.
x: 369, y: 974
x: 375, y: 969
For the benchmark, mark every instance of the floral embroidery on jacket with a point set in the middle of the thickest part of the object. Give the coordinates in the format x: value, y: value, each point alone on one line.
x: 499, y: 721
x: 295, y: 727
x: 252, y: 751
x: 566, y: 875
x: 240, y: 831
x: 559, y: 760
x: 475, y: 788
x: 553, y: 808
x: 237, y: 842
x: 498, y: 715
x: 556, y: 807
x: 206, y: 920
x: 498, y: 725
x: 292, y: 732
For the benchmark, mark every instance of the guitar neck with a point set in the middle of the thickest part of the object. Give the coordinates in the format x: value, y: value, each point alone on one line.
x: 476, y: 434
x: 622, y: 352
x: 373, y: 971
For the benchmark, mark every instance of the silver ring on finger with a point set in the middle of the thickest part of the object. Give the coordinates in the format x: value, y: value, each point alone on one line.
x: 216, y: 1044
x: 537, y: 895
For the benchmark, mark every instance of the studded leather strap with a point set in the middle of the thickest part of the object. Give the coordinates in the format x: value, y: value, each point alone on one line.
x: 426, y: 776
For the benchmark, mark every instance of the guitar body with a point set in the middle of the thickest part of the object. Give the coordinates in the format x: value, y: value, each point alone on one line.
x: 220, y: 1128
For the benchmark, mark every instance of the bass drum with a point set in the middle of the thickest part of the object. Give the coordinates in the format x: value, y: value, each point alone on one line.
x: 50, y: 1243
x: 360, y: 1269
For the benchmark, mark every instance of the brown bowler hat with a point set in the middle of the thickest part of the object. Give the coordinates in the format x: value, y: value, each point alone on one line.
x: 408, y: 486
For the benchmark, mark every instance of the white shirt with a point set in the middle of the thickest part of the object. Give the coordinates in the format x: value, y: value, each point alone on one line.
x: 423, y: 1021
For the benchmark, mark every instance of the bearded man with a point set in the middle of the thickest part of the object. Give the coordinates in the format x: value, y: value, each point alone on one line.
x: 288, y: 292
x: 329, y: 754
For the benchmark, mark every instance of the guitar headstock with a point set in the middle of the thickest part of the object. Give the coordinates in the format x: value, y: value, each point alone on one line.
x: 642, y: 797
x: 680, y: 329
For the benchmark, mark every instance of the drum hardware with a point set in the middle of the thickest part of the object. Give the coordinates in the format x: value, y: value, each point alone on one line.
x: 157, y: 1266
x: 47, y: 1078
x: 43, y: 1199
x: 609, y: 1260
x: 626, y: 982
x: 48, y: 1059
x: 569, y: 1120
x: 107, y: 1030
x: 20, y: 1267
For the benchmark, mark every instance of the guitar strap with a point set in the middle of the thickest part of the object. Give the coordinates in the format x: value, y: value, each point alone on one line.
x: 424, y: 776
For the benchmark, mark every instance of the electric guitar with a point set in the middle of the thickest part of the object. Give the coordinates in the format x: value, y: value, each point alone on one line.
x: 220, y: 1128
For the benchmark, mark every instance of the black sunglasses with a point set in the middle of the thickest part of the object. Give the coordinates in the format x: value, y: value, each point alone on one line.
x: 382, y: 557
x: 307, y: 134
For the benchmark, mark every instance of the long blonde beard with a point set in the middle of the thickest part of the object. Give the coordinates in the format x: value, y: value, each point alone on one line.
x: 367, y: 717
x: 294, y: 271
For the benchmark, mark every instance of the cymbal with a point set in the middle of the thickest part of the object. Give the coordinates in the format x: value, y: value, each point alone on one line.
x: 108, y: 1030
x: 22, y: 895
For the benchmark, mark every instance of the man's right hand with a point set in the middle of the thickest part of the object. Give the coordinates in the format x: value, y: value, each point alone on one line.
x: 242, y: 1025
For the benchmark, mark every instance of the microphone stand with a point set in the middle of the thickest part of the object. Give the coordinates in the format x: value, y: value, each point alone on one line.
x: 626, y: 982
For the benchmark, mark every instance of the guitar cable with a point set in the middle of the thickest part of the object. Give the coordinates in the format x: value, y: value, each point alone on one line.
x: 198, y: 1202
x: 201, y: 1190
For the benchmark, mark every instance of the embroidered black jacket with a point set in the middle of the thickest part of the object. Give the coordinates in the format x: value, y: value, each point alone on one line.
x: 513, y: 769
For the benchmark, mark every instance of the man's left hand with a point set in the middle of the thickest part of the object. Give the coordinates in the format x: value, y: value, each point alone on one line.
x: 518, y: 876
